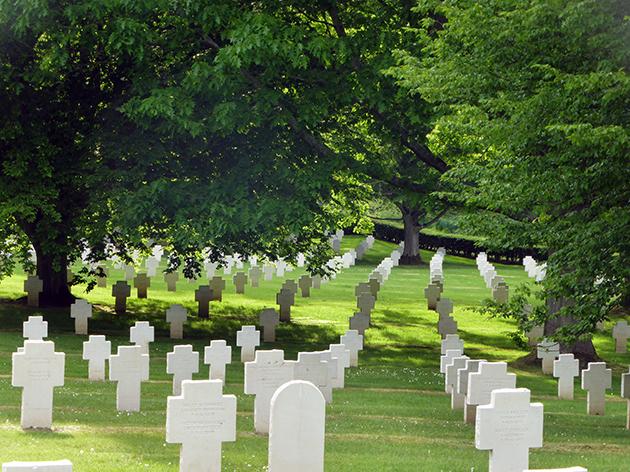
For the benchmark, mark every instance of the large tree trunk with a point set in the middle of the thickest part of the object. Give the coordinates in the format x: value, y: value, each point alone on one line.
x: 582, y: 349
x: 411, y: 253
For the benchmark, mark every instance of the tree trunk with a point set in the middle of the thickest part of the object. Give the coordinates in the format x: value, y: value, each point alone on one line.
x: 411, y: 252
x: 51, y: 269
x: 582, y: 349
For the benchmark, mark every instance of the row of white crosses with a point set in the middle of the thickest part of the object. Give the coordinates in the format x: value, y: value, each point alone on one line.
x: 500, y: 289
x: 506, y: 422
x: 534, y: 270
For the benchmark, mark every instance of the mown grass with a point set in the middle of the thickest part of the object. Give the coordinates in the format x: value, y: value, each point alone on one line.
x: 392, y: 416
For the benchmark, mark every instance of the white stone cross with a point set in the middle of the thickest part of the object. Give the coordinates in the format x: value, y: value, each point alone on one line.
x: 141, y: 334
x: 621, y: 333
x: 625, y: 393
x: 240, y: 280
x: 33, y: 286
x: 509, y: 426
x: 268, y: 270
x: 450, y: 381
x: 596, y: 379
x: 35, y: 329
x: 254, y: 276
x: 96, y: 351
x: 548, y: 351
x: 297, y: 426
x: 201, y: 419
x: 489, y: 376
x: 217, y: 355
x: 354, y: 343
x: 470, y: 366
x: 263, y: 377
x: 142, y: 283
x: 432, y: 294
x: 121, y: 290
x: 268, y: 319
x: 312, y: 368
x: 40, y: 466
x: 176, y: 316
x: 341, y: 352
x: 182, y: 363
x: 81, y: 311
x: 37, y: 368
x: 360, y: 322
x: 447, y: 358
x: 129, y: 368
x: 203, y: 295
x: 171, y: 279
x: 248, y: 338
x: 451, y: 341
x: 565, y: 368
x: 281, y: 266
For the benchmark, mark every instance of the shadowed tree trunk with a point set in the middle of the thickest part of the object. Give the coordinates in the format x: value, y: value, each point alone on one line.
x: 411, y: 252
x: 582, y: 349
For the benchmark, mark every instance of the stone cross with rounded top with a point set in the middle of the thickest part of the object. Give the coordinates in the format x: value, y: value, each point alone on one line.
x: 217, y: 356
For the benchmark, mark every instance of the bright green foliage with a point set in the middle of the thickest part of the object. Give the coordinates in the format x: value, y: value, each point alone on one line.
x: 536, y: 110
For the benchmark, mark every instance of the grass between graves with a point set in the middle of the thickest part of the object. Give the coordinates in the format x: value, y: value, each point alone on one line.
x: 392, y: 416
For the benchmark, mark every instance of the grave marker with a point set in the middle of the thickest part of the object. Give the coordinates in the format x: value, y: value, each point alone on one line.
x: 621, y: 333
x: 33, y: 286
x: 248, y: 338
x: 365, y: 303
x: 501, y: 293
x: 625, y: 393
x: 268, y: 319
x: 317, y: 281
x: 534, y: 334
x: 217, y: 284
x: 201, y: 419
x: 130, y: 367
x: 171, y: 279
x: 176, y: 316
x: 360, y: 322
x: 203, y: 295
x: 152, y: 265
x: 81, y: 311
x: 217, y: 355
x: 354, y: 343
x: 297, y: 427
x: 548, y: 351
x: 121, y: 290
x: 182, y: 363
x: 263, y: 377
x: 96, y: 351
x: 451, y: 341
x: 444, y: 307
x: 281, y: 266
x: 489, y: 376
x: 311, y: 368
x: 596, y: 379
x: 509, y: 426
x: 101, y: 276
x: 450, y: 382
x: 343, y: 362
x: 141, y: 334
x: 305, y: 283
x: 285, y: 299
x: 142, y: 283
x: 432, y: 294
x: 254, y: 276
x: 290, y: 285
x: 446, y: 326
x: 35, y: 328
x: 470, y: 366
x: 565, y: 368
x: 240, y: 280
x: 268, y: 270
x: 38, y: 369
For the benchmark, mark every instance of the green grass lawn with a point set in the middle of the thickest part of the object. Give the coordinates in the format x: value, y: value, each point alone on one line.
x: 392, y: 416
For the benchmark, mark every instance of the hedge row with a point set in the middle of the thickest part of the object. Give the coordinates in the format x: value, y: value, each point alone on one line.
x: 457, y: 246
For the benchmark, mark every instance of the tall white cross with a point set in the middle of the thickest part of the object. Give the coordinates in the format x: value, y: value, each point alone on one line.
x: 596, y: 379
x: 96, y: 351
x: 37, y: 369
x: 263, y: 377
x: 130, y: 367
x: 509, y: 426
x: 35, y: 329
x: 81, y: 311
x: 354, y: 343
x: 201, y: 419
x: 312, y: 368
x: 217, y: 355
x: 182, y: 363
x: 451, y: 341
x: 248, y: 338
x: 565, y: 368
x: 141, y: 334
